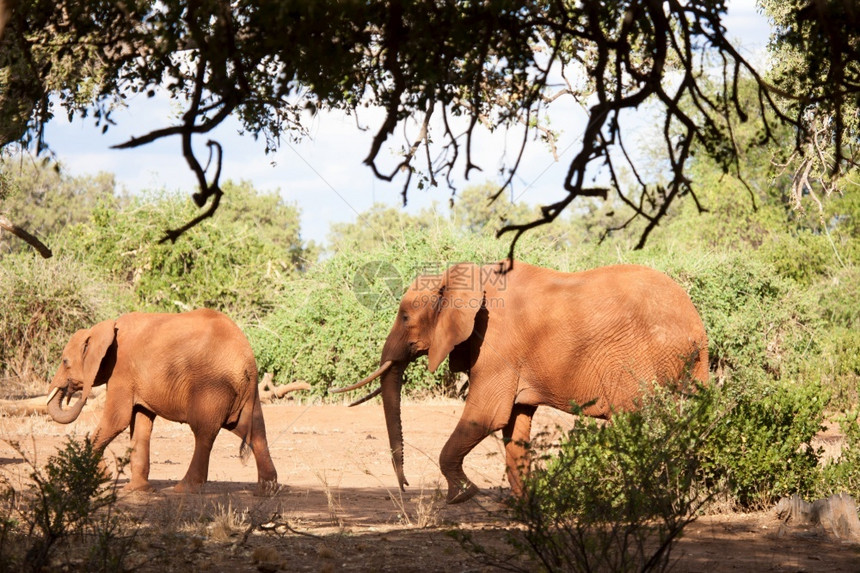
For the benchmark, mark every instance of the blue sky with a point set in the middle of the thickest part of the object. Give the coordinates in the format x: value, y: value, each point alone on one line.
x: 324, y: 174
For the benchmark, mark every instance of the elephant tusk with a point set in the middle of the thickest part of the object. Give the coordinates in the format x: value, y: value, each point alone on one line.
x: 376, y: 374
x: 366, y: 398
x: 51, y: 395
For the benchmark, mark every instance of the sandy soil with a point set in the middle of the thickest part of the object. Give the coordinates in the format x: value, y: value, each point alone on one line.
x: 340, y: 508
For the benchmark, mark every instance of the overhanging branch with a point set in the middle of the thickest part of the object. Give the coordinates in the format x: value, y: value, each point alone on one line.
x: 22, y: 234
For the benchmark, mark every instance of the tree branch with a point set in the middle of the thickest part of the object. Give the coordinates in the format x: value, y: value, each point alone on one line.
x: 22, y: 234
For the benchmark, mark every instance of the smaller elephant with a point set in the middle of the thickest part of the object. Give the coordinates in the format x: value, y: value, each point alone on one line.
x: 195, y: 367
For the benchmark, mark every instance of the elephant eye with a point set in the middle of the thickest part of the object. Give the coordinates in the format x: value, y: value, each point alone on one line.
x: 66, y: 362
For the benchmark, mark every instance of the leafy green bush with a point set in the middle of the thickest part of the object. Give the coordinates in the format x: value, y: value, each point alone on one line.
x: 235, y: 262
x: 617, y: 496
x: 758, y: 323
x: 762, y: 448
x: 71, y: 497
x: 803, y: 256
x: 45, y: 301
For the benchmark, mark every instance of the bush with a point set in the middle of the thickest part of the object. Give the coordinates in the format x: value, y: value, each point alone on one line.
x: 70, y: 498
x: 617, y: 496
x: 45, y: 302
x: 762, y: 448
x: 758, y: 323
x: 236, y: 265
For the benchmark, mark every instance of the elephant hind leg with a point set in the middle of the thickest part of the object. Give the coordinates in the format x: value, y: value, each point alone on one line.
x: 198, y: 471
x: 251, y: 429
x: 517, y: 434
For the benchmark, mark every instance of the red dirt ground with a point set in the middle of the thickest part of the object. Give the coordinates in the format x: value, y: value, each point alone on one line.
x: 340, y: 510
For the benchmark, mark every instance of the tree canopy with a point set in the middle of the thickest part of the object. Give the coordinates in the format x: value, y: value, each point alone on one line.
x: 438, y: 70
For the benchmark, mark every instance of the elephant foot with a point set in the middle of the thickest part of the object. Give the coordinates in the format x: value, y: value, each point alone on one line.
x: 188, y: 487
x: 464, y: 492
x: 267, y: 488
x: 139, y: 485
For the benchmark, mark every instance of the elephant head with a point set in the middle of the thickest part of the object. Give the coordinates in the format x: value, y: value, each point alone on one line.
x: 437, y: 313
x: 79, y: 369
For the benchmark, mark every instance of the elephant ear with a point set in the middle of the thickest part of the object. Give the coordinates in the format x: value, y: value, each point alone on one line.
x: 96, y: 345
x: 460, y: 298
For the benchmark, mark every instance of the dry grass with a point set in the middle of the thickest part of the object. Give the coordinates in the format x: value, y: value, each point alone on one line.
x: 227, y: 521
x: 335, y: 509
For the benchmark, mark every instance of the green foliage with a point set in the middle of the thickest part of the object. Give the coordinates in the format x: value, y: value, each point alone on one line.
x: 472, y: 211
x: 803, y: 257
x: 762, y: 447
x: 45, y: 301
x: 236, y: 262
x: 378, y: 227
x: 758, y: 323
x: 843, y: 474
x: 617, y: 496
x: 40, y: 198
x: 71, y: 499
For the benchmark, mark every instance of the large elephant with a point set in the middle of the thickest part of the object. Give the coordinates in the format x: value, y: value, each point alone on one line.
x: 531, y: 336
x: 195, y: 367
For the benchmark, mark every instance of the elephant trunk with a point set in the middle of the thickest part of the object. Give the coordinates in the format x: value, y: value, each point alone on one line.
x: 55, y: 408
x: 392, y: 382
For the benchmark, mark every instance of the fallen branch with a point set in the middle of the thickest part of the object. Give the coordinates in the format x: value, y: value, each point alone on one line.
x: 268, y: 391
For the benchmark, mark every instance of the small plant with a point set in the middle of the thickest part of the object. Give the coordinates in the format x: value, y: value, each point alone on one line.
x: 72, y: 497
x: 427, y: 506
x: 333, y: 499
x: 762, y: 449
x: 227, y: 521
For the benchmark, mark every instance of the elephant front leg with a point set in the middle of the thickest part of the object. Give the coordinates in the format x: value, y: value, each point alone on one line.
x: 471, y: 429
x: 115, y: 418
x: 516, y: 437
x: 141, y: 434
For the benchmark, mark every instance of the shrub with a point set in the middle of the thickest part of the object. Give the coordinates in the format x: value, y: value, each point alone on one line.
x: 70, y: 497
x: 757, y: 322
x: 45, y: 301
x: 617, y: 496
x: 236, y: 265
x: 762, y: 448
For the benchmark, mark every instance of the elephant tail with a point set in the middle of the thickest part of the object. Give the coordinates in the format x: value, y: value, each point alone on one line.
x: 245, y: 450
x: 251, y: 410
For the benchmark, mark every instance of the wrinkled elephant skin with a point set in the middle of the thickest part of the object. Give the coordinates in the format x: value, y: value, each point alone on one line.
x: 195, y: 367
x: 531, y: 336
